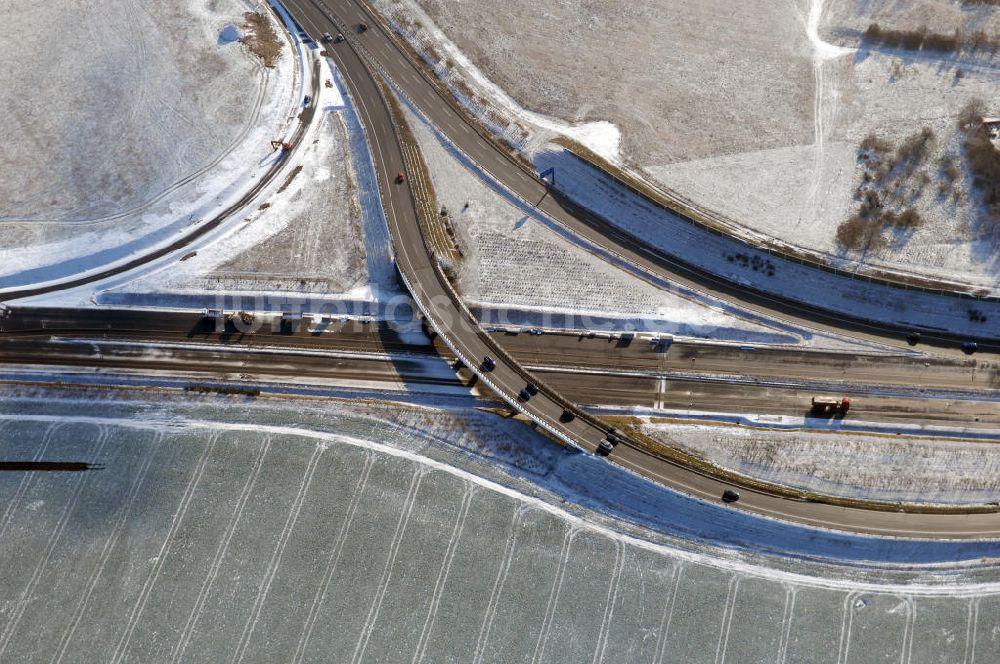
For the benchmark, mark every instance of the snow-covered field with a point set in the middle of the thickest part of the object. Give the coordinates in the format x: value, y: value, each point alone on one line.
x: 320, y: 237
x: 126, y: 124
x: 754, y: 110
x: 881, y: 467
x: 344, y: 530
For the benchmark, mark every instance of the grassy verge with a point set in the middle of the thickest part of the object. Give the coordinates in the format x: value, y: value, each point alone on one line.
x: 655, y: 448
x: 436, y: 228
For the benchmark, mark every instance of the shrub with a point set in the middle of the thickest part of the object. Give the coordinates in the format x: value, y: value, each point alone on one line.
x: 858, y: 233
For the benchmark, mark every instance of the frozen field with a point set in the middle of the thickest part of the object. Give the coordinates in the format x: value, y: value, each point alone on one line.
x: 755, y: 110
x: 215, y: 540
x: 320, y: 237
x: 127, y: 123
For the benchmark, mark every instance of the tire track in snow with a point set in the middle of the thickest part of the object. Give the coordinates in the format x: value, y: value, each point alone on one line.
x: 383, y: 584
x: 786, y: 623
x: 80, y: 482
x: 333, y: 561
x: 609, y: 607
x: 550, y: 608
x: 220, y: 553
x: 498, y: 584
x: 25, y: 483
x: 668, y: 614
x: 727, y: 620
x: 109, y: 545
x: 185, y: 503
x: 279, y: 551
x: 456, y: 536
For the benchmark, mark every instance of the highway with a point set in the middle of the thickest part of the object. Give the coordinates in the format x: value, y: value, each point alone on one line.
x: 467, y: 340
x: 463, y: 336
x: 418, y: 85
x: 364, y: 358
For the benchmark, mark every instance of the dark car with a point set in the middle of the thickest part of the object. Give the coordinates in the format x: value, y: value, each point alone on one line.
x: 307, y: 100
x: 913, y: 338
x: 489, y: 364
x: 730, y: 496
x: 605, y: 448
x: 531, y: 389
x: 567, y: 417
x: 523, y: 395
x: 969, y: 347
x: 363, y: 26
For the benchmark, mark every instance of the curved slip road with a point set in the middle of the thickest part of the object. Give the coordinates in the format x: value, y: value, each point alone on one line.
x: 415, y: 83
x: 471, y: 344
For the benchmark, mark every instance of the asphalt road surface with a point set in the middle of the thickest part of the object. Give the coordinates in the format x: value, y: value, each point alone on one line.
x: 471, y: 139
x: 414, y: 262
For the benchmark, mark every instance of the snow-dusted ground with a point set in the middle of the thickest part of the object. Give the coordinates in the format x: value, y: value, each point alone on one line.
x: 881, y: 467
x: 763, y: 271
x: 522, y: 269
x: 315, y: 242
x: 755, y: 111
x: 320, y: 238
x: 127, y: 123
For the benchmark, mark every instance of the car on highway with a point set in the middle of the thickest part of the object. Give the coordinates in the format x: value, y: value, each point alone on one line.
x: 363, y: 26
x: 327, y: 37
x: 604, y: 448
x: 730, y: 496
x: 308, y: 100
x: 531, y: 388
x: 567, y: 417
x: 339, y: 38
x: 913, y: 338
x: 489, y: 364
x: 523, y: 395
x: 400, y: 178
x: 969, y: 347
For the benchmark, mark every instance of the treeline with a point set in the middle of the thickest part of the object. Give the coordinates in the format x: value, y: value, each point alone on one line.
x: 924, y: 39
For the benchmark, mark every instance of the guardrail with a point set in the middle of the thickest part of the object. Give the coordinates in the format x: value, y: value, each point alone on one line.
x: 464, y: 312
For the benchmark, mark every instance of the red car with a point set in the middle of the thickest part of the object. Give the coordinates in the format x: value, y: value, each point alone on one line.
x: 362, y: 27
x: 400, y: 178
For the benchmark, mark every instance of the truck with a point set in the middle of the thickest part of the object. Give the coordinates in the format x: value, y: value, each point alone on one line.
x: 828, y: 406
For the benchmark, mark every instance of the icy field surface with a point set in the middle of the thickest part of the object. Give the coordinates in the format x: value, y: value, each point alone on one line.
x: 211, y: 540
x: 126, y: 123
x: 320, y: 238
